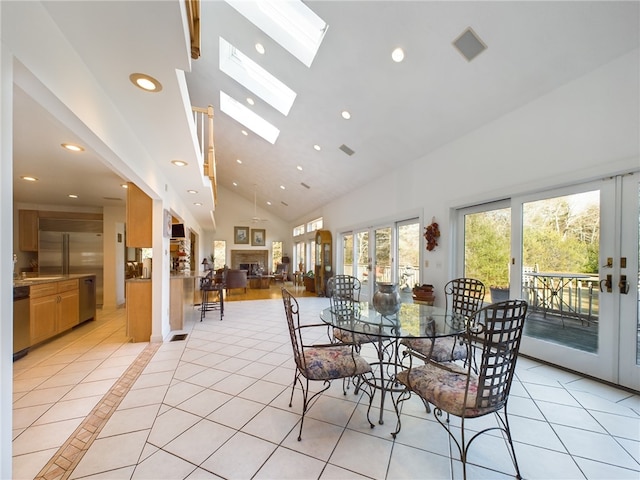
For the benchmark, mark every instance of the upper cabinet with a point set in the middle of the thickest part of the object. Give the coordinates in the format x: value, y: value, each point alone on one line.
x: 139, y: 216
x: 28, y: 230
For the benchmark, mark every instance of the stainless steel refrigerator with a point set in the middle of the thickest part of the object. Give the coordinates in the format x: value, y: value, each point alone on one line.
x: 72, y: 247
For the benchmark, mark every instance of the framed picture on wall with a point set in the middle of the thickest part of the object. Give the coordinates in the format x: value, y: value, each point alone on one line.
x: 167, y: 223
x: 257, y: 237
x: 241, y: 235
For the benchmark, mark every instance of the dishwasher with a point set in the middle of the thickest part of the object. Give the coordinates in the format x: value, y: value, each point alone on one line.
x: 21, y: 322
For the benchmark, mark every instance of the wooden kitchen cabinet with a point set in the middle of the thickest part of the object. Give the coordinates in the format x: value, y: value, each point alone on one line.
x: 54, y: 308
x: 28, y: 230
x: 139, y: 310
x: 139, y: 218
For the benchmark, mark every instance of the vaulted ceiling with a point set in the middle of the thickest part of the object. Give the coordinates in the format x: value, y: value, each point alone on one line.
x: 399, y: 111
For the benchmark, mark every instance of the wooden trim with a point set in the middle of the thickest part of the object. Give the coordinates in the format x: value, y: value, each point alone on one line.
x: 70, y: 215
x: 193, y: 19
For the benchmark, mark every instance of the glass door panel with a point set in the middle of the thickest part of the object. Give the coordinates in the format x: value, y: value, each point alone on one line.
x: 408, y: 264
x: 347, y: 254
x: 560, y: 245
x: 382, y: 258
x: 363, y: 264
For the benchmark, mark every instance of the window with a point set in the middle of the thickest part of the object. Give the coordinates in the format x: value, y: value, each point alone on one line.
x: 299, y: 230
x: 219, y: 254
x: 276, y: 254
x: 408, y: 254
x: 314, y: 225
x: 299, y: 255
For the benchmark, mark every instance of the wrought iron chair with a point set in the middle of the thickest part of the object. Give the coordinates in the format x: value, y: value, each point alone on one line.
x: 463, y: 297
x: 212, y: 290
x: 344, y: 297
x: 479, y: 388
x: 317, y: 362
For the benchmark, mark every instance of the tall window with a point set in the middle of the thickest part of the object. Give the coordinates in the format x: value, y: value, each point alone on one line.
x: 314, y: 225
x: 299, y: 255
x: 408, y: 254
x: 276, y: 254
x: 219, y: 254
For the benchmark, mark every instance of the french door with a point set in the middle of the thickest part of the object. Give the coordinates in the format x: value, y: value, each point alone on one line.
x: 572, y: 254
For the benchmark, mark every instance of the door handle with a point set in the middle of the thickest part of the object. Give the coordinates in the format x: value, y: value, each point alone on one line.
x: 608, y: 282
x: 623, y: 284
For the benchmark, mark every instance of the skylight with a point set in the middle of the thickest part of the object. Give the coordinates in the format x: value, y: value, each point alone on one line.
x: 246, y: 117
x: 291, y: 23
x: 255, y: 78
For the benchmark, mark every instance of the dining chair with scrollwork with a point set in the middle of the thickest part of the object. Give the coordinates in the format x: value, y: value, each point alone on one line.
x: 344, y: 297
x: 212, y: 288
x: 463, y: 297
x: 317, y: 362
x: 478, y: 388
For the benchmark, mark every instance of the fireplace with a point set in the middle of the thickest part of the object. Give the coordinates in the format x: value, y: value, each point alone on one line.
x: 250, y: 260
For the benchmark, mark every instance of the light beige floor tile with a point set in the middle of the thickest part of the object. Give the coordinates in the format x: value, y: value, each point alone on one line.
x: 44, y: 396
x: 130, y: 420
x: 240, y: 457
x: 319, y: 439
x: 271, y: 424
x: 106, y: 373
x: 190, y: 445
x: 233, y: 384
x: 331, y: 472
x: 538, y: 463
x: 236, y: 412
x: 408, y: 462
x: 262, y: 391
x: 89, y: 389
x: 362, y: 453
x: 153, y: 380
x: 178, y: 392
x: 208, y: 377
x: 68, y: 409
x: 43, y: 437
x: 169, y: 425
x: 23, y: 417
x: 143, y: 396
x: 162, y: 465
x: 287, y: 464
x: 27, y: 466
x: 205, y: 402
x: 111, y: 453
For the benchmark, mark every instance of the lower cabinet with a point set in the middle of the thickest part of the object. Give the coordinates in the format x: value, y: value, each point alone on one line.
x: 54, y: 307
x: 139, y: 310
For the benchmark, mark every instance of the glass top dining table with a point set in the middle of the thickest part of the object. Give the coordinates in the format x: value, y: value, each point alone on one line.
x: 385, y: 333
x: 413, y: 320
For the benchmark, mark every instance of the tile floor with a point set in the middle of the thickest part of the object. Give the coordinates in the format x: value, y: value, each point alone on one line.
x: 215, y: 405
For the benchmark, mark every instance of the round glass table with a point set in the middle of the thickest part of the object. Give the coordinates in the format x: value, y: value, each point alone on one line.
x: 385, y: 332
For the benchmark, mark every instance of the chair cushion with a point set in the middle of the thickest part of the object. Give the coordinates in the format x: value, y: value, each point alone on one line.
x: 328, y: 363
x: 445, y: 349
x: 349, y: 337
x: 444, y: 388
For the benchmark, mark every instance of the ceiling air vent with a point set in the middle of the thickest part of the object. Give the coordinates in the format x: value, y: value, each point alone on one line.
x: 112, y: 198
x: 285, y: 204
x: 469, y: 44
x: 346, y: 150
x: 305, y: 185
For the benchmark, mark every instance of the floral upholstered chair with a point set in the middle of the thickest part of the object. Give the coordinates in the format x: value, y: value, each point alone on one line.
x: 317, y: 362
x: 464, y: 297
x: 479, y: 387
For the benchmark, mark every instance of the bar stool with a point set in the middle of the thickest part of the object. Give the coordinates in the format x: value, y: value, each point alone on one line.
x: 212, y: 294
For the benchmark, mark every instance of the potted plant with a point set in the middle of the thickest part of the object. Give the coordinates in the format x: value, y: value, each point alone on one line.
x: 309, y: 282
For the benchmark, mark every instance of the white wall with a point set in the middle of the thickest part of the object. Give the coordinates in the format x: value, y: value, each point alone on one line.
x: 587, y: 129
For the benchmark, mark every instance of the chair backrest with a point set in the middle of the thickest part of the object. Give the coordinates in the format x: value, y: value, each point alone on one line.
x: 496, y: 331
x: 292, y: 312
x: 464, y: 296
x: 207, y: 280
x: 344, y: 295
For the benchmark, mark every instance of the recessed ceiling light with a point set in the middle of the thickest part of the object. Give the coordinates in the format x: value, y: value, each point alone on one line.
x: 238, y: 161
x: 268, y: 202
x: 282, y: 187
x: 71, y: 147
x: 145, y: 82
x: 260, y: 48
x: 346, y: 115
x: 192, y: 191
x: 29, y: 179
x: 245, y: 133
x: 235, y: 184
x: 397, y: 55
x: 197, y: 204
x: 299, y: 167
x: 72, y: 195
x: 179, y: 163
x: 317, y: 147
x: 250, y: 101
x: 124, y: 185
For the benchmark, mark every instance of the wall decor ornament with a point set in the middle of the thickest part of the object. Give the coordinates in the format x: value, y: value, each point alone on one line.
x: 431, y: 234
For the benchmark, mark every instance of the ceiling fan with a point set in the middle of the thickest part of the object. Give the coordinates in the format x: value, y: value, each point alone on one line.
x: 256, y: 218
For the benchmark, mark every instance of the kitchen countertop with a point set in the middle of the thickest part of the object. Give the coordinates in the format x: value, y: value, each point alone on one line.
x: 48, y: 279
